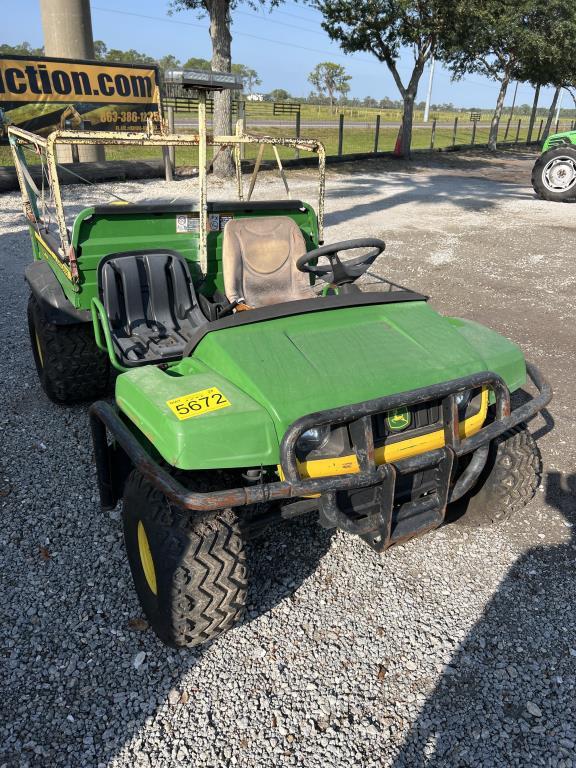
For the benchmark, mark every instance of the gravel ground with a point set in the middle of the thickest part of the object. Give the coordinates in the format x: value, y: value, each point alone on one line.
x: 456, y: 649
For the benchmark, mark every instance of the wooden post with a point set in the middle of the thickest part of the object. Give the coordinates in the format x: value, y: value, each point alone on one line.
x: 376, y: 134
x: 340, y: 134
x: 540, y: 129
x: 242, y: 116
x: 557, y: 125
x: 168, y: 152
x: 171, y: 150
x: 297, y: 131
x: 518, y: 131
x: 168, y: 175
x: 454, y: 132
x: 474, y: 133
x: 433, y: 133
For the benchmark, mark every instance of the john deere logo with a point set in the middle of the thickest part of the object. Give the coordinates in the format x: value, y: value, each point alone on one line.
x: 398, y: 419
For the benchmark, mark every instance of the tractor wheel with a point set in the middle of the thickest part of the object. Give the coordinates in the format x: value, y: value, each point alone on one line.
x: 509, y: 481
x: 190, y: 575
x: 70, y: 366
x: 554, y: 174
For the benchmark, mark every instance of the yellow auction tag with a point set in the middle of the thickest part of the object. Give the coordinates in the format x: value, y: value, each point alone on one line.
x: 197, y: 403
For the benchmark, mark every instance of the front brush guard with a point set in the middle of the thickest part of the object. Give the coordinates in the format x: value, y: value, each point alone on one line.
x: 375, y: 529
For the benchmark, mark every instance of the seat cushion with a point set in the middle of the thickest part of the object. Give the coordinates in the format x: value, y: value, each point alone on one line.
x: 259, y: 261
x: 150, y: 303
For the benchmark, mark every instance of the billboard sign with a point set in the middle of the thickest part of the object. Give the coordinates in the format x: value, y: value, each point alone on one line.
x: 43, y: 94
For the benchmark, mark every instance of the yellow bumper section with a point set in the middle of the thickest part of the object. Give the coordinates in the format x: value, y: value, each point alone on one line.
x: 404, y: 449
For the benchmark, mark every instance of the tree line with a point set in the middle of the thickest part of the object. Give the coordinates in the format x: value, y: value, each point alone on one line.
x: 249, y: 76
x: 529, y: 41
x: 330, y: 81
x: 523, y: 40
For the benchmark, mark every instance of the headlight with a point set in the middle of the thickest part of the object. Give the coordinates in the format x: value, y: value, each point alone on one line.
x: 313, y: 438
x: 468, y: 403
x: 462, y: 401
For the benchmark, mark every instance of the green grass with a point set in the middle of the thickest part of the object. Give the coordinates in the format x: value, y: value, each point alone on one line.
x: 257, y: 111
x: 356, y: 140
x: 323, y: 112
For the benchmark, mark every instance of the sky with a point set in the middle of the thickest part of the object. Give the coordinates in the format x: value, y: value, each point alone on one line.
x: 282, y: 46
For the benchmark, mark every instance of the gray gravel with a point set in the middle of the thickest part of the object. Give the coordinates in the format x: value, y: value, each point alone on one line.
x: 457, y: 649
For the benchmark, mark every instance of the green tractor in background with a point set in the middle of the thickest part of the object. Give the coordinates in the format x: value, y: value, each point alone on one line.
x: 261, y: 377
x: 554, y: 173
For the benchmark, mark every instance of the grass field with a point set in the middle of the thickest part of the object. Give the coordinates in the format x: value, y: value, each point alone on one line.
x: 265, y: 109
x: 323, y: 112
x: 356, y: 139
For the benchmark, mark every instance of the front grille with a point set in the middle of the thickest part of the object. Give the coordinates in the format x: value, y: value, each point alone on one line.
x: 423, y: 417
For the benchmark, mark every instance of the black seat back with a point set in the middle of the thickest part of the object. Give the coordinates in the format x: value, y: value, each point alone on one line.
x: 151, y: 305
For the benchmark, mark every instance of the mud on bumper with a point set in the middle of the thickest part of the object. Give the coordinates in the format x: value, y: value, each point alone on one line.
x: 377, y: 519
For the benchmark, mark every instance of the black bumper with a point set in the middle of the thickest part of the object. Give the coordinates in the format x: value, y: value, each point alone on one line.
x: 376, y: 527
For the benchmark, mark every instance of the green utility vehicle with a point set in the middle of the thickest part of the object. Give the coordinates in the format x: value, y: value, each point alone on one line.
x: 554, y: 173
x: 261, y: 376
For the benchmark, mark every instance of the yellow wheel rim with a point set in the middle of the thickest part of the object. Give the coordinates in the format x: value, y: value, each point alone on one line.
x: 39, y: 348
x: 146, y: 558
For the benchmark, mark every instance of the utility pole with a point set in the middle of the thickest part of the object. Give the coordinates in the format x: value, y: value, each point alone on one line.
x: 67, y: 27
x: 429, y: 94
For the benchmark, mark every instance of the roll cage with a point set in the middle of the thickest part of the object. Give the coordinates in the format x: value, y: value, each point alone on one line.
x: 33, y: 197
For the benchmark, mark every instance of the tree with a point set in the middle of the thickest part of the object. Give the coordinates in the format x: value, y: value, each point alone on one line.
x: 551, y: 112
x: 197, y: 64
x: 103, y: 53
x: 279, y: 94
x: 129, y: 57
x: 490, y: 34
x: 21, y: 49
x: 543, y: 64
x: 383, y: 27
x: 249, y: 76
x: 330, y: 78
x: 168, y: 62
x: 100, y: 50
x: 220, y: 14
x: 505, y: 40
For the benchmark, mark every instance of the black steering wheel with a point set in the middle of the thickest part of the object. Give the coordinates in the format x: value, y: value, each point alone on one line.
x: 340, y: 273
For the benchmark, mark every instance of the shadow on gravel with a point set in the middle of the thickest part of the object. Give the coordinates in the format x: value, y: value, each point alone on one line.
x: 515, y: 162
x: 470, y: 194
x: 522, y: 396
x: 281, y: 560
x: 76, y: 696
x: 507, y: 697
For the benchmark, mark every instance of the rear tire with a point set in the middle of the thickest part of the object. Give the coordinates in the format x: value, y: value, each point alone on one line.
x: 552, y: 170
x: 190, y: 575
x: 70, y: 366
x: 508, y: 482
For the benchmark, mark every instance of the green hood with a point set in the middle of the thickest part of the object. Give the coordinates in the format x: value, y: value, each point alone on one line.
x: 566, y: 137
x: 276, y: 371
